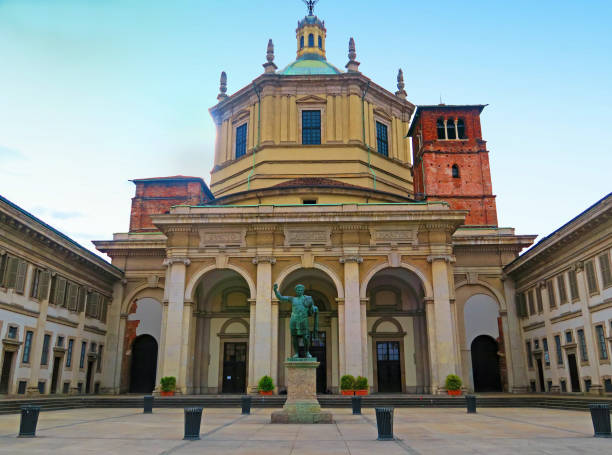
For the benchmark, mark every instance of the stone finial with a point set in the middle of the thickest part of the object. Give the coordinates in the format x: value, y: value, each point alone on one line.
x: 400, y: 84
x: 353, y: 64
x: 269, y: 66
x: 222, y: 87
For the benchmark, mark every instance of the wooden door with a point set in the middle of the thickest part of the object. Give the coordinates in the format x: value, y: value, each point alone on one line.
x: 234, y: 368
x: 389, y: 366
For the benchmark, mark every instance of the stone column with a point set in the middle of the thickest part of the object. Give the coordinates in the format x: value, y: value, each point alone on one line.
x: 430, y: 317
x: 353, y: 343
x: 37, y: 339
x: 341, y: 343
x: 252, y: 382
x: 274, y: 344
x: 515, y: 362
x: 183, y: 381
x: 111, y: 369
x: 589, y: 335
x: 364, y: 340
x: 443, y: 320
x: 263, y: 319
x: 174, y: 317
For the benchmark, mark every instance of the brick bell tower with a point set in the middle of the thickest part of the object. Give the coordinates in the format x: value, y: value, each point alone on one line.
x: 451, y: 161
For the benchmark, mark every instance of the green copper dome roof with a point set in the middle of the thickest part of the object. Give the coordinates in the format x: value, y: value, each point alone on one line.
x: 310, y: 64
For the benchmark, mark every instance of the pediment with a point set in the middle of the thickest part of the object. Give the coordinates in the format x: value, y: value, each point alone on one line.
x: 382, y: 113
x: 241, y: 115
x: 311, y: 99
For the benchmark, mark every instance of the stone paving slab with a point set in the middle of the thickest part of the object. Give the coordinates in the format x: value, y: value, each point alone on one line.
x: 225, y: 431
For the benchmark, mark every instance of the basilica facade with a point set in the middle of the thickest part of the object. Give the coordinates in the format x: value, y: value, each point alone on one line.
x: 382, y: 209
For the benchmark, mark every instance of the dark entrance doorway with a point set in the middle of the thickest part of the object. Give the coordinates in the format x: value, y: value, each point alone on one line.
x: 89, y: 377
x: 573, y: 370
x: 144, y: 364
x: 318, y: 350
x: 389, y: 366
x: 485, y: 364
x: 5, y: 377
x: 540, y: 374
x: 57, y: 362
x: 234, y: 367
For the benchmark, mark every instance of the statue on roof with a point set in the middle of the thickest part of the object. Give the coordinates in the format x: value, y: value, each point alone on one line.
x: 310, y: 4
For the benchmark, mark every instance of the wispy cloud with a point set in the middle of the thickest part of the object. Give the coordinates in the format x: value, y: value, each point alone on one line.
x: 7, y: 153
x: 57, y: 214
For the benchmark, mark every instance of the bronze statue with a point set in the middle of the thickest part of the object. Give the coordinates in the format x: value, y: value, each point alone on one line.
x: 302, y: 306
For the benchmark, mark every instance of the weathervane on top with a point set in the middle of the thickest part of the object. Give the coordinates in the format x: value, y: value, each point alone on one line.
x: 310, y: 4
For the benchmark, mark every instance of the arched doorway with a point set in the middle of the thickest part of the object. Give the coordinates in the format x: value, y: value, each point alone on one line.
x: 144, y: 364
x: 485, y: 364
x: 399, y: 360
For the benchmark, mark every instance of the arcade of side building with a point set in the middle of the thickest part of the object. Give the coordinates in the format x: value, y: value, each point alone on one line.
x: 382, y: 209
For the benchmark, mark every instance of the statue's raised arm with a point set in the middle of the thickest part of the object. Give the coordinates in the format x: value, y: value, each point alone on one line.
x: 280, y: 297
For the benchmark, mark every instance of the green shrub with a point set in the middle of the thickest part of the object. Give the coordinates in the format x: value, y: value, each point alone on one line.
x: 453, y: 382
x: 361, y: 383
x: 266, y: 384
x: 168, y: 384
x: 347, y: 382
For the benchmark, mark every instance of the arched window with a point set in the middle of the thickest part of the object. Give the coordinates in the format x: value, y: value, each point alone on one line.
x: 460, y: 129
x: 451, y: 132
x: 311, y: 40
x: 441, y: 129
x: 320, y: 43
x: 455, y: 171
x: 302, y: 42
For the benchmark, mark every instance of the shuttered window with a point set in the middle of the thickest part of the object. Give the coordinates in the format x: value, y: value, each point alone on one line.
x: 93, y: 300
x: 531, y: 303
x: 539, y: 298
x: 561, y: 287
x: 573, y: 282
x: 604, y: 266
x: 591, y: 278
x: 81, y: 299
x: 3, y: 260
x: 35, y: 283
x: 72, y: 294
x: 43, y: 286
x: 551, y: 294
x: 59, y: 296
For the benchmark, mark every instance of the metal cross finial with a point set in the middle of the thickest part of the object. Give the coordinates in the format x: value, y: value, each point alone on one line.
x: 310, y: 4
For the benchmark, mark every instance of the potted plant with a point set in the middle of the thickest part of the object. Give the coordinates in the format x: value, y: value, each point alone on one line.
x: 168, y: 386
x: 266, y: 385
x: 453, y: 384
x: 347, y: 385
x: 361, y: 385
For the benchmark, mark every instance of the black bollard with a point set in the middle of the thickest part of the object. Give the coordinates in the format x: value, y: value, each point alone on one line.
x: 193, y: 419
x: 29, y: 420
x: 471, y: 403
x: 600, y: 414
x: 148, y: 404
x: 245, y: 401
x: 356, y: 403
x: 384, y: 422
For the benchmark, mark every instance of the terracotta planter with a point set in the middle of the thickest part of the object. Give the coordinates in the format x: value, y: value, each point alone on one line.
x: 167, y: 394
x: 348, y: 392
x: 263, y: 392
x: 361, y: 392
x: 455, y: 393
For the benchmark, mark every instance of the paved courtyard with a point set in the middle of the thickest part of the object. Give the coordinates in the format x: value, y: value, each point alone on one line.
x: 223, y: 431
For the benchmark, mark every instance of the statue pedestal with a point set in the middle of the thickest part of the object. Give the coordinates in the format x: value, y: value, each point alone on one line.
x: 302, y: 405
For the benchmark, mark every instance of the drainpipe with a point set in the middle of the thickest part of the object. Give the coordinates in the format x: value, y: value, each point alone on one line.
x: 364, y: 93
x: 258, y: 93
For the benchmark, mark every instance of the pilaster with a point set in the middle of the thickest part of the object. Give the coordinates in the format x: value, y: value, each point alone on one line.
x: 115, y: 329
x: 515, y: 362
x: 263, y: 319
x: 353, y: 351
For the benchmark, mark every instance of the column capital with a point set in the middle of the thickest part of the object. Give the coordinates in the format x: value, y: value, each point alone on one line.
x: 177, y: 260
x: 347, y: 259
x: 252, y: 301
x: 428, y: 300
x: 364, y: 301
x: 123, y: 316
x: 448, y: 258
x: 577, y: 266
x: 339, y: 301
x: 264, y: 260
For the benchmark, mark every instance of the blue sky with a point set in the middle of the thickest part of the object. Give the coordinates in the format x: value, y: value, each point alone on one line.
x: 94, y: 93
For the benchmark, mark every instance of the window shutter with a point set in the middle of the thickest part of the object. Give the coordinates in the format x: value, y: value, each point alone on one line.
x: 82, y: 296
x: 591, y: 280
x: 3, y: 260
x: 521, y: 309
x: 104, y: 310
x: 71, y: 300
x: 604, y: 265
x: 22, y: 268
x: 573, y: 285
x: 43, y: 286
x: 92, y: 305
x: 11, y: 272
x: 60, y: 291
x: 551, y: 294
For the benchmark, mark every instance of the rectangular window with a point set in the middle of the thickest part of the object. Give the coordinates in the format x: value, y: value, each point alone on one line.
x: 521, y: 307
x: 551, y: 294
x: 66, y: 388
x: 382, y: 139
x: 44, y: 358
x: 573, y: 282
x: 72, y: 293
x: 529, y: 357
x: 562, y: 291
x: 241, y: 140
x: 27, y: 346
x: 83, y: 350
x: 59, y: 294
x: 12, y: 332
x: 531, y: 303
x: 584, y: 356
x: 92, y: 347
x: 604, y: 266
x: 559, y: 351
x: 69, y: 353
x: 608, y: 385
x: 60, y: 342
x: 601, y: 341
x: 568, y: 337
x: 548, y: 385
x: 591, y: 279
x: 15, y: 274
x: 539, y: 298
x: 3, y: 260
x: 99, y: 364
x: 41, y: 387
x: 91, y: 309
x: 21, y: 388
x: 311, y: 127
x: 587, y: 385
x: 563, y: 386
x: 546, y: 355
x: 35, y: 283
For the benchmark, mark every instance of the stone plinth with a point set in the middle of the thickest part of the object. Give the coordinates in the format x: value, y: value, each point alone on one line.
x: 302, y: 405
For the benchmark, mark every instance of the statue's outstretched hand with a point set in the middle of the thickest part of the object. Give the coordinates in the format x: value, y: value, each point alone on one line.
x: 275, y: 287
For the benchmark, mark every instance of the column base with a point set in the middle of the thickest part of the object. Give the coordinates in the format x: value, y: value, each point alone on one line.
x: 32, y: 391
